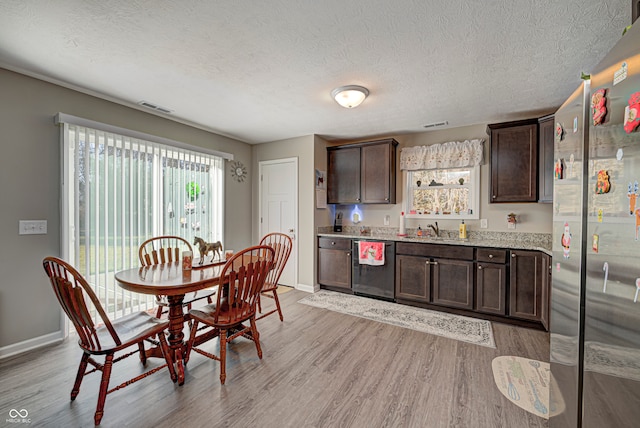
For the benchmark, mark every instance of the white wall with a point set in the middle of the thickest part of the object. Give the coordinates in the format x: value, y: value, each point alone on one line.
x: 303, y: 149
x: 30, y: 189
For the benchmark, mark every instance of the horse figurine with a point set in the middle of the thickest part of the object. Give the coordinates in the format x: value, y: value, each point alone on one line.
x: 206, y: 247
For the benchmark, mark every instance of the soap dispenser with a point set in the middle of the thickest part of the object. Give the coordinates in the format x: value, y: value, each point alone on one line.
x: 419, y: 232
x: 462, y: 231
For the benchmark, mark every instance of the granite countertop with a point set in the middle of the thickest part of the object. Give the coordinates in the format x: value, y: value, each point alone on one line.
x: 514, y: 241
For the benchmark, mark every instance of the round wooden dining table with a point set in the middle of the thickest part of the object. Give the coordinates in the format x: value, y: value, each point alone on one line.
x: 170, y: 280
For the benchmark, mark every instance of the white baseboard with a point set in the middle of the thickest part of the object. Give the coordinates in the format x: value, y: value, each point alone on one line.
x: 31, y: 344
x: 307, y: 288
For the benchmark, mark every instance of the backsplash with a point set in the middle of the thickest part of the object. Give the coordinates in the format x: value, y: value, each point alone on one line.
x: 536, y: 239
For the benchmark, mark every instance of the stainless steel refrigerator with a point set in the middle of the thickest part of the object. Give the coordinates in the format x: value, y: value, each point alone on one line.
x: 595, y: 301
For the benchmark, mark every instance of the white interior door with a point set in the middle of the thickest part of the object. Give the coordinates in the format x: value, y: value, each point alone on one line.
x: 279, y: 207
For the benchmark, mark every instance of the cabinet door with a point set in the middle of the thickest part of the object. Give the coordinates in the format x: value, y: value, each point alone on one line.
x: 491, y: 287
x: 453, y: 283
x: 514, y: 163
x: 413, y: 278
x: 343, y: 176
x: 526, y: 277
x: 334, y: 267
x: 378, y: 173
x: 546, y: 290
x: 545, y: 168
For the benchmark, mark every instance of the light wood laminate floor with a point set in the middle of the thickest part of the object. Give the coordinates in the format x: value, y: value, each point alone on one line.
x: 320, y: 369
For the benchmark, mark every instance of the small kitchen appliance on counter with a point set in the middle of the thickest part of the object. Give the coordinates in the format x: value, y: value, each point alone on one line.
x: 337, y: 222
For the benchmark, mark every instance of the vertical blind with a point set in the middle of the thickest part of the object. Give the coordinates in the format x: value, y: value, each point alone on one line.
x: 123, y: 190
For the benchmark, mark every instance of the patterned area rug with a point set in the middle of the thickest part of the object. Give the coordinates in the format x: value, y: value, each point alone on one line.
x: 526, y: 383
x: 456, y: 327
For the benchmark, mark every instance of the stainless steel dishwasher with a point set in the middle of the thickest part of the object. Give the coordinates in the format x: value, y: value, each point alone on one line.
x: 374, y: 281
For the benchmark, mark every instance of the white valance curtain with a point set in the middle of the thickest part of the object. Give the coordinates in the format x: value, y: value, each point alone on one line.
x: 455, y: 154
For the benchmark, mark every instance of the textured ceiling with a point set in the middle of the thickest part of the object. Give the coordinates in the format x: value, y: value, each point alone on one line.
x: 261, y: 71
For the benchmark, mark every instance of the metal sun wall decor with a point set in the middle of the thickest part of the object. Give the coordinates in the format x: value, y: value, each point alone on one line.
x: 238, y: 171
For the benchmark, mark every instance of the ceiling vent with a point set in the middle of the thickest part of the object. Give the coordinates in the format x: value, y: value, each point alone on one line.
x: 155, y: 107
x: 435, y: 124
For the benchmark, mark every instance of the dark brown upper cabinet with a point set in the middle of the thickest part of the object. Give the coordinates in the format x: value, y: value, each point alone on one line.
x: 514, y: 161
x: 362, y: 173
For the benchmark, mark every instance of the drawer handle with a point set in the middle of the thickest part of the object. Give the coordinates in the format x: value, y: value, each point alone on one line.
x: 490, y: 256
x: 348, y: 254
x: 479, y: 267
x: 333, y: 243
x: 513, y: 256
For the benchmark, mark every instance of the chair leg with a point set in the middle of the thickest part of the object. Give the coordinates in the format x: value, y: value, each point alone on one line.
x: 159, y: 312
x: 275, y: 297
x: 259, y: 303
x: 80, y: 375
x: 143, y: 354
x: 255, y: 335
x: 192, y: 338
x: 104, y: 386
x: 168, y: 356
x: 223, y: 355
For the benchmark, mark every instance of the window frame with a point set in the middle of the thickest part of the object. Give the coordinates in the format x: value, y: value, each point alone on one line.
x: 474, y: 194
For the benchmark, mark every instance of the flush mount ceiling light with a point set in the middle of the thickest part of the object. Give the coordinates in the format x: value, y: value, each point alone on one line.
x: 350, y: 96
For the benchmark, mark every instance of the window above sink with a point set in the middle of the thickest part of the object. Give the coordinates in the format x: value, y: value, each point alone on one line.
x: 451, y: 193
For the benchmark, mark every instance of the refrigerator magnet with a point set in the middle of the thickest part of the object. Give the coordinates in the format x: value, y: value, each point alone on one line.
x: 571, y: 161
x: 632, y: 113
x: 620, y: 74
x: 637, y: 222
x: 594, y: 242
x: 605, y: 269
x: 599, y: 106
x: 558, y: 169
x: 619, y: 154
x: 632, y: 194
x: 575, y: 124
x: 603, y: 185
x: 559, y: 132
x: 565, y: 240
x: 600, y: 215
x: 635, y: 299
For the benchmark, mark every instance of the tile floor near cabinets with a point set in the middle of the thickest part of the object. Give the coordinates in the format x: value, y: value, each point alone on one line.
x: 320, y: 369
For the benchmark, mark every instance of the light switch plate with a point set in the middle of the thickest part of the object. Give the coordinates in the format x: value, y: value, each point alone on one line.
x: 483, y: 223
x: 387, y: 219
x: 32, y: 227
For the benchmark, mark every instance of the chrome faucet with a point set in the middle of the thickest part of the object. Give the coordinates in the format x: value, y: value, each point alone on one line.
x: 435, y: 228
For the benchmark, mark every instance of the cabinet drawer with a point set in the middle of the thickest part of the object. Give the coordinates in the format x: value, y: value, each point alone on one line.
x: 492, y: 255
x: 335, y: 243
x: 459, y: 252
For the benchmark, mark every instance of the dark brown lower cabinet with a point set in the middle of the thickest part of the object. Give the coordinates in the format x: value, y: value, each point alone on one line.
x: 453, y: 283
x: 413, y: 278
x: 491, y: 288
x: 528, y: 285
x: 334, y: 263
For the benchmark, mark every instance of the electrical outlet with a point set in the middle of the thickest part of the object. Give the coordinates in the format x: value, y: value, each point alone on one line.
x: 387, y: 219
x: 32, y: 227
x: 483, y: 223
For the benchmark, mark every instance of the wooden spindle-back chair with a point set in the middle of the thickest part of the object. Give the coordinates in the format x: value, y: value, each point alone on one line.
x: 282, y: 244
x: 243, y: 275
x: 107, y: 336
x: 168, y: 249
